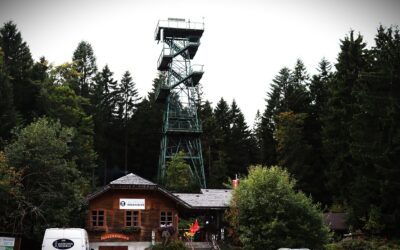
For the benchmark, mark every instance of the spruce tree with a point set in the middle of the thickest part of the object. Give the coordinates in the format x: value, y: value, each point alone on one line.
x: 376, y: 138
x: 265, y: 138
x: 18, y: 62
x: 293, y: 151
x: 145, y: 131
x: 222, y: 116
x: 298, y: 95
x: 277, y: 97
x: 319, y: 87
x: 39, y: 70
x: 104, y: 102
x: 256, y: 133
x: 85, y: 63
x: 128, y: 99
x: 352, y: 60
x: 218, y: 171
x: 318, y: 92
x: 268, y: 124
x: 208, y: 136
x: 8, y: 117
x: 239, y: 147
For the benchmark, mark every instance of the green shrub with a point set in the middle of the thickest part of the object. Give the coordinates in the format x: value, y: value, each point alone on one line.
x: 362, y: 244
x: 358, y: 244
x: 176, y: 245
x: 331, y: 246
x: 269, y: 213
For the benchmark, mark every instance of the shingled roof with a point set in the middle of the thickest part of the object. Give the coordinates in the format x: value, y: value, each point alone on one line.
x: 208, y: 198
x: 129, y: 181
x: 132, y: 179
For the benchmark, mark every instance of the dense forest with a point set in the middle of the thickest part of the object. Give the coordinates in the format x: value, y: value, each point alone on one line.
x: 68, y: 129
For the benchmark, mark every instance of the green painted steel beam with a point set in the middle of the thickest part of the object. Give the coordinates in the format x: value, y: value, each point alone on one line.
x: 181, y: 128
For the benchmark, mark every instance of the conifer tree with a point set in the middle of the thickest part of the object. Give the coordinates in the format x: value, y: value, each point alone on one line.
x: 39, y: 70
x: 298, y: 94
x: 208, y: 136
x: 105, y: 94
x: 375, y: 137
x: 18, y: 62
x: 352, y: 60
x: 267, y: 143
x: 293, y: 151
x: 239, y: 147
x: 85, y: 63
x: 104, y: 101
x: 218, y: 171
x: 222, y: 116
x: 319, y: 87
x: 8, y: 117
x: 279, y: 99
x: 128, y: 99
x: 146, y: 134
x: 313, y: 131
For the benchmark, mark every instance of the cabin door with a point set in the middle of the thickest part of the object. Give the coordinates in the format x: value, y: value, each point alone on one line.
x: 113, y: 247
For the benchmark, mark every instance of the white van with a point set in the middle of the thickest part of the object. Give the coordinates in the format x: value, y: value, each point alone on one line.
x: 65, y: 238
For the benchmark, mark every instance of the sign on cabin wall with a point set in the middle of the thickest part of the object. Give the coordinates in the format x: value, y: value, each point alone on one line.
x: 7, y: 243
x: 131, y: 204
x: 108, y: 236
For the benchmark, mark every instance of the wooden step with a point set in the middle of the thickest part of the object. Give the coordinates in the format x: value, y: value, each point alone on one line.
x: 199, y: 245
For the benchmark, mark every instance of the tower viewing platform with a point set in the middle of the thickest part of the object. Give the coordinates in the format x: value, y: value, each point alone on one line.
x: 178, y: 28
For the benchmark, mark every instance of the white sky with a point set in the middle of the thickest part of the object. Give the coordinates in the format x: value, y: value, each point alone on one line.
x: 244, y: 45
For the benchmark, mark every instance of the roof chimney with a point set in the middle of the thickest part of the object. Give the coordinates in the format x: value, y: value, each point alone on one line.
x: 235, y: 182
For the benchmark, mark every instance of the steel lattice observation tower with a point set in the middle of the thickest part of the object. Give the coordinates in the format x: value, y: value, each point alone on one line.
x: 179, y: 93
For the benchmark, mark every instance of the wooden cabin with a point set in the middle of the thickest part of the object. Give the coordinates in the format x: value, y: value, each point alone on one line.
x: 131, y: 212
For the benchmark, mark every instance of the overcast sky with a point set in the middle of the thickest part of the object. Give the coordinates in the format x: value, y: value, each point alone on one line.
x: 244, y: 45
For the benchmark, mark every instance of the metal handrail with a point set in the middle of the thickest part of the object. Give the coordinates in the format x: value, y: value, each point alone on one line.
x: 164, y: 51
x: 196, y: 68
x: 178, y: 24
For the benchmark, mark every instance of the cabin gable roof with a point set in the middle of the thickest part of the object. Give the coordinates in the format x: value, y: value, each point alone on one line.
x: 206, y: 199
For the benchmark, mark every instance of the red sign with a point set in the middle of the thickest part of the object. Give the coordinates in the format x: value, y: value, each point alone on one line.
x: 108, y: 236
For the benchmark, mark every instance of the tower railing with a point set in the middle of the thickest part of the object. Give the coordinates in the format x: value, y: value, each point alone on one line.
x: 178, y: 24
x: 164, y: 52
x: 196, y: 68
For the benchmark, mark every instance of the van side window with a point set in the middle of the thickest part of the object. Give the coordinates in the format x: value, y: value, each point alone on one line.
x: 132, y: 218
x: 97, y: 218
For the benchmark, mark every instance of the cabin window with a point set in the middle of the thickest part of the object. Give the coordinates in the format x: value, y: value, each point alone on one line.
x: 98, y: 218
x: 166, y: 218
x: 132, y: 218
